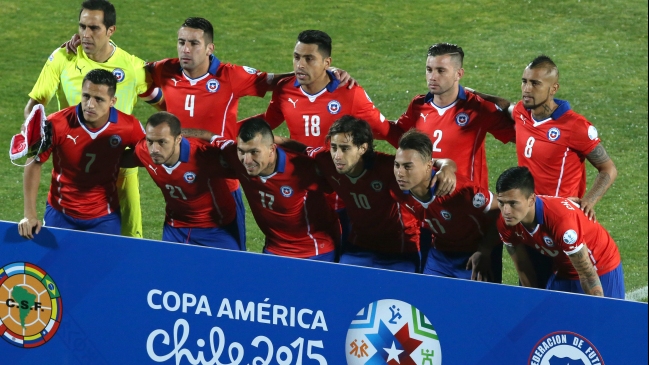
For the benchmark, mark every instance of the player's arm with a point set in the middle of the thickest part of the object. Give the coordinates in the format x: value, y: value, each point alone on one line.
x: 445, y: 176
x: 30, y: 105
x: 480, y: 262
x: 523, y: 265
x: 290, y: 144
x: 587, y: 274
x: 502, y: 103
x: 30, y: 224
x: 607, y: 172
x: 343, y: 76
x: 206, y: 136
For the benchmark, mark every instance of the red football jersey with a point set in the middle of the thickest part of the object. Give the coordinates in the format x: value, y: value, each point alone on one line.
x: 195, y: 194
x: 86, y: 162
x: 554, y: 149
x: 458, y: 131
x: 209, y: 102
x: 379, y: 222
x: 562, y: 230
x: 289, y: 205
x: 309, y: 117
x: 458, y: 221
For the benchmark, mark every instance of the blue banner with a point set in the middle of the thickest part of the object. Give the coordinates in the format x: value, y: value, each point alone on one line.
x: 70, y: 297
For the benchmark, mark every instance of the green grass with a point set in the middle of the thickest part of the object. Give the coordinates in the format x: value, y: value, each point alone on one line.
x: 599, y: 46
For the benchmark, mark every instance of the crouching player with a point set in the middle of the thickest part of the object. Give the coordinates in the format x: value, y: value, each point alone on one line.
x: 463, y: 222
x: 585, y: 257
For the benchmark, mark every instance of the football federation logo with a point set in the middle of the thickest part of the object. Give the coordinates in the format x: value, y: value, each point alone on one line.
x: 212, y: 86
x: 446, y: 215
x: 190, y: 177
x: 333, y: 107
x: 554, y: 133
x: 250, y: 70
x: 30, y: 309
x: 548, y: 241
x: 592, y: 132
x: 462, y: 119
x: 115, y: 140
x: 119, y: 74
x: 570, y: 237
x: 392, y: 332
x: 565, y: 347
x: 479, y: 200
x: 286, y: 191
x: 377, y: 185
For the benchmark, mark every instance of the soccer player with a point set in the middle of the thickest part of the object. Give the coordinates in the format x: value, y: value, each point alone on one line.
x: 586, y: 259
x: 285, y: 194
x: 463, y: 223
x: 87, y: 144
x: 199, y: 207
x: 63, y: 74
x: 384, y: 233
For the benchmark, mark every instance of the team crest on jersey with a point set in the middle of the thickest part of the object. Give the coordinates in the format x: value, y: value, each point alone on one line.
x: 377, y: 185
x: 333, y: 107
x: 390, y: 331
x: 190, y: 177
x: 119, y: 74
x: 115, y: 140
x: 286, y: 191
x: 565, y: 347
x: 592, y: 132
x: 462, y: 119
x: 31, y: 308
x: 212, y: 85
x: 548, y: 241
x: 554, y: 133
x: 446, y: 215
x: 250, y: 70
x: 570, y: 237
x: 479, y: 200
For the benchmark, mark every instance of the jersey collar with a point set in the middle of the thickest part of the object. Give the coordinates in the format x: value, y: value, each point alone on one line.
x: 563, y: 107
x: 281, y: 160
x: 214, y: 65
x: 538, y: 211
x: 112, y: 114
x: 331, y: 86
x: 184, y: 150
x: 461, y: 94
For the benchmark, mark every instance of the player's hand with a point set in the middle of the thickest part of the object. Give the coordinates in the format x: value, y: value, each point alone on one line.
x: 71, y: 45
x: 344, y: 77
x: 480, y: 265
x: 28, y: 227
x: 445, y: 180
x: 587, y: 207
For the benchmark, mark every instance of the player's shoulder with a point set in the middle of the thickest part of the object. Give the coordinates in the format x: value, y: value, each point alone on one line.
x: 286, y: 82
x: 419, y: 100
x: 164, y: 64
x: 558, y: 209
x: 122, y: 54
x: 61, y: 56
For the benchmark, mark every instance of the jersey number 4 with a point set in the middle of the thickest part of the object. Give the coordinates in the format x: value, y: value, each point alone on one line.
x: 189, y: 104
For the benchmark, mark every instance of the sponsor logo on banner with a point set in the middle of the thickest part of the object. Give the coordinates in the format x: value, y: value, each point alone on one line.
x: 333, y: 107
x: 212, y: 85
x: 114, y: 140
x: 565, y: 347
x: 119, y: 74
x: 390, y: 331
x: 554, y: 133
x: 462, y: 119
x: 190, y: 177
x: 286, y: 191
x: 30, y: 305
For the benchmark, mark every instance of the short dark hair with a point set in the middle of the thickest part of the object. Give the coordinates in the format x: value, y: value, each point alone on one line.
x: 417, y: 141
x: 252, y: 127
x: 102, y: 77
x: 202, y: 24
x: 439, y: 49
x: 543, y: 61
x: 110, y: 16
x: 359, y: 129
x: 165, y: 118
x: 518, y: 177
x: 318, y: 37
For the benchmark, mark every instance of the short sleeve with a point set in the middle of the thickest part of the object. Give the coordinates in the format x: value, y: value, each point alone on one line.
x: 247, y: 81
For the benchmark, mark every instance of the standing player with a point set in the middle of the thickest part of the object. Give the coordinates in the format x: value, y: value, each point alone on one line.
x: 463, y: 223
x: 63, y: 74
x: 585, y: 257
x: 284, y: 191
x: 199, y: 207
x: 384, y: 233
x: 87, y: 145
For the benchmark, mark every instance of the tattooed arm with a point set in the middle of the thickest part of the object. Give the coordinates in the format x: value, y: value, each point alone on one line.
x: 587, y: 274
x: 605, y: 177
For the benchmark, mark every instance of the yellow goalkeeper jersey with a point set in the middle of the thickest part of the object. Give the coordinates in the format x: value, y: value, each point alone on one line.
x: 63, y: 75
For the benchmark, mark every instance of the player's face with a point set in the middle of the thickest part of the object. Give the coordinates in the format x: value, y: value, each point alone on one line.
x: 93, y: 32
x: 515, y: 206
x: 163, y: 147
x: 308, y: 63
x: 347, y: 157
x: 96, y: 103
x: 538, y: 87
x: 410, y: 169
x: 257, y: 155
x: 442, y: 74
x: 193, y: 51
